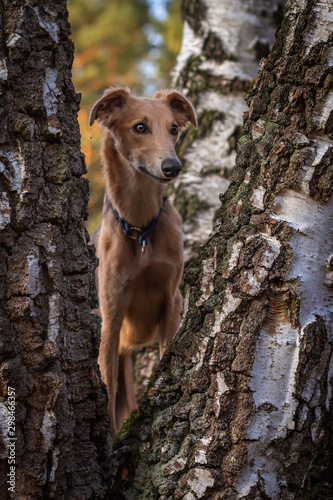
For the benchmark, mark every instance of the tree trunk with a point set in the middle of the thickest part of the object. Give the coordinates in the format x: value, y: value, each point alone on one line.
x: 237, y: 405
x: 54, y: 436
x: 222, y: 45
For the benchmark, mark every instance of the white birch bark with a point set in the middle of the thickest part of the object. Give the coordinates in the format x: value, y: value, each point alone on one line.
x: 222, y: 45
x: 237, y: 407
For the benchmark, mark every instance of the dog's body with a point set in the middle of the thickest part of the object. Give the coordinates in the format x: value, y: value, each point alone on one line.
x: 137, y: 278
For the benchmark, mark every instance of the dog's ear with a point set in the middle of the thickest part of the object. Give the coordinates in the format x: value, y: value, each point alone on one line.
x: 113, y: 100
x: 181, y: 107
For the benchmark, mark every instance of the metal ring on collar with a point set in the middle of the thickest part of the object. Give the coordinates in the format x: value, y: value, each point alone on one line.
x: 138, y: 230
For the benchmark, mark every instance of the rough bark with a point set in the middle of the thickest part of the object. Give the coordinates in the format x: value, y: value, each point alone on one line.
x: 49, y: 341
x: 222, y: 45
x: 237, y: 405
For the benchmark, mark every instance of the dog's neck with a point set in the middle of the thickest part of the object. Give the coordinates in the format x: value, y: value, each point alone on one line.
x: 135, y: 196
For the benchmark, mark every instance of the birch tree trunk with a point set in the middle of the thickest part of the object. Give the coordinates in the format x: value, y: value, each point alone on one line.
x: 237, y: 405
x: 222, y: 45
x: 54, y: 433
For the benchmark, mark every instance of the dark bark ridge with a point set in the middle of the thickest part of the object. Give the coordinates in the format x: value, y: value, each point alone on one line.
x: 189, y: 437
x: 49, y: 341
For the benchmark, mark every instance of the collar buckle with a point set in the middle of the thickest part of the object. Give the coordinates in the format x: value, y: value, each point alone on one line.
x: 134, y: 236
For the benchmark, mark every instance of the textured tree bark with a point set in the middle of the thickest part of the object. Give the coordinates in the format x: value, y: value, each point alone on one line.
x: 236, y: 407
x: 59, y: 444
x: 222, y: 45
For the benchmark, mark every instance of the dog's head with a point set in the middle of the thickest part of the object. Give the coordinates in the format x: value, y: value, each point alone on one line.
x: 146, y: 130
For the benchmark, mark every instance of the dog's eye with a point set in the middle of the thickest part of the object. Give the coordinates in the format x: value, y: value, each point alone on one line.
x: 140, y: 128
x: 174, y: 130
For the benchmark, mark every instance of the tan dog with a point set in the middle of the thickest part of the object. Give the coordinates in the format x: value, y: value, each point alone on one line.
x: 139, y: 242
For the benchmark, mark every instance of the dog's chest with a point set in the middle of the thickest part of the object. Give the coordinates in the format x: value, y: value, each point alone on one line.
x: 152, y: 274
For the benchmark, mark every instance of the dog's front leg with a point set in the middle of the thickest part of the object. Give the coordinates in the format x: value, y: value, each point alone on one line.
x: 112, y: 318
x: 170, y: 321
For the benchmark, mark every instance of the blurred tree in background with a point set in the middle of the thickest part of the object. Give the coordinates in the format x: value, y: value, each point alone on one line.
x: 119, y: 42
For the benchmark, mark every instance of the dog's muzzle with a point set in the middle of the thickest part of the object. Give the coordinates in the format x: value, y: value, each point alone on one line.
x: 143, y: 170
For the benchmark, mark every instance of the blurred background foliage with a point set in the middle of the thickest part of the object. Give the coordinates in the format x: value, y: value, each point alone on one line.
x: 130, y: 43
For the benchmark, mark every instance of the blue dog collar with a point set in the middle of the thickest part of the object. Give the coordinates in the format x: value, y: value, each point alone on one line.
x: 137, y: 233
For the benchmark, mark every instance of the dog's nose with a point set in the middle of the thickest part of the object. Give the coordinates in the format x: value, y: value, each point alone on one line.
x: 171, y: 167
